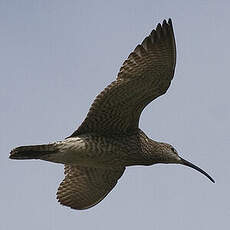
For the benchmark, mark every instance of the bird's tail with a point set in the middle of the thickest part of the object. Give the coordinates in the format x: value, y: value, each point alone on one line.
x: 32, y: 151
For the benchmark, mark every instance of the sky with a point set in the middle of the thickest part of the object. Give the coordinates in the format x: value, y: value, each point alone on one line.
x: 56, y: 56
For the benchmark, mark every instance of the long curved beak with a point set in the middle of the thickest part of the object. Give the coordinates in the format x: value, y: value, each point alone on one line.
x: 187, y: 163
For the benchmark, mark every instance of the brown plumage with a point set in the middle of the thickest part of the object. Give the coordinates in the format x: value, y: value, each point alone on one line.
x: 144, y: 76
x: 84, y: 187
x: 109, y: 140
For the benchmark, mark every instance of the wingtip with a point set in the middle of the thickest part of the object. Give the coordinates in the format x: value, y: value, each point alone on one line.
x: 170, y: 21
x: 165, y: 23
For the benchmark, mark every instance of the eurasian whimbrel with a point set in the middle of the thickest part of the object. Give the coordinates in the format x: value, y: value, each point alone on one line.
x: 109, y: 140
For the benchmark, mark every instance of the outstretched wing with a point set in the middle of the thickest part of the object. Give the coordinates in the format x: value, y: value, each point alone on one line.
x: 84, y: 187
x: 144, y: 76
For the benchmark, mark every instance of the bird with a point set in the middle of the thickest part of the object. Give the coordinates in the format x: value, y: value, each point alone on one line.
x: 109, y: 140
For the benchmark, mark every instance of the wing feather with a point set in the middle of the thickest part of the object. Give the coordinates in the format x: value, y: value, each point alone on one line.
x: 144, y: 76
x: 84, y: 187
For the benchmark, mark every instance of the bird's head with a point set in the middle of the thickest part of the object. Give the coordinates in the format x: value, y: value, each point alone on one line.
x: 170, y: 155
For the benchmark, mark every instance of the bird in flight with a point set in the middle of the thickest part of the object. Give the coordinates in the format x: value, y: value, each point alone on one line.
x: 109, y: 139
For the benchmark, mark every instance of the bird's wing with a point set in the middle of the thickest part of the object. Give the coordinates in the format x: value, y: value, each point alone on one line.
x: 84, y: 187
x: 144, y: 76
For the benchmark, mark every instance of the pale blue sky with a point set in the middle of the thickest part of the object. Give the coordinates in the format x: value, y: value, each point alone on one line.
x: 56, y: 56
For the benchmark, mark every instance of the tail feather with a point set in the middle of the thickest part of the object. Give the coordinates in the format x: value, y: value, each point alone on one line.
x: 32, y: 152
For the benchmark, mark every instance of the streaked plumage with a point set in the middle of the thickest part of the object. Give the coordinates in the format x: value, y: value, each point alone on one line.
x: 144, y: 76
x: 109, y: 139
x: 84, y: 187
